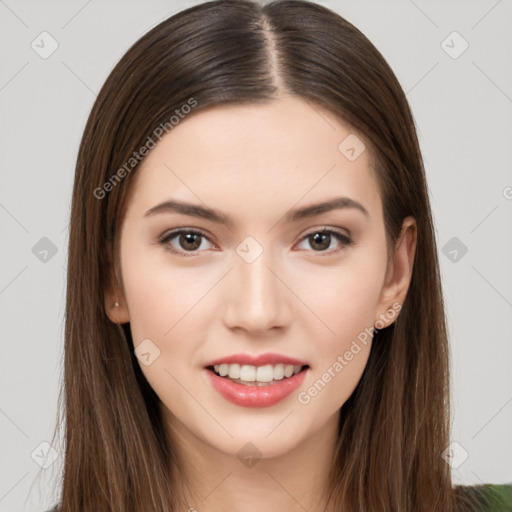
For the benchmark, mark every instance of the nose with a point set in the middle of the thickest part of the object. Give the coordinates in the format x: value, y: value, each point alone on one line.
x: 257, y: 299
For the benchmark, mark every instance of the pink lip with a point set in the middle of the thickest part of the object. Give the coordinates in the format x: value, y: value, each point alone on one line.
x: 255, y: 396
x: 261, y: 360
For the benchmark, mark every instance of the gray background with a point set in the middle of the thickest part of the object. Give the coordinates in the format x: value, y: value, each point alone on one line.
x: 462, y: 108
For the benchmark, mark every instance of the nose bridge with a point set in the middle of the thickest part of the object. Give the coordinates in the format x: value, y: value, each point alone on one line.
x: 256, y: 296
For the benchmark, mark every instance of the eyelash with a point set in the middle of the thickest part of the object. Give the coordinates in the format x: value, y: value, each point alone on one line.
x: 164, y: 239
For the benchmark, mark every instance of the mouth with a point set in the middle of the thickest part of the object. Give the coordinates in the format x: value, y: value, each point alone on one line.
x: 250, y: 375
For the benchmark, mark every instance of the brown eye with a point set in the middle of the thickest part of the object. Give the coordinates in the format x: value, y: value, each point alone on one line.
x: 321, y: 240
x: 189, y: 241
x: 183, y: 241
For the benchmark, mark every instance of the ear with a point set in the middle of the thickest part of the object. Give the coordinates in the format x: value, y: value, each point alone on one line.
x: 398, y: 275
x: 113, y: 294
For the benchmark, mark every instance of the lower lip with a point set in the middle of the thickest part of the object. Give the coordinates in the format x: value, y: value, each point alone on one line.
x: 255, y: 396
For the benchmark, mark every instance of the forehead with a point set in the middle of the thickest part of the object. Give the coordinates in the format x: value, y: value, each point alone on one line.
x: 285, y: 152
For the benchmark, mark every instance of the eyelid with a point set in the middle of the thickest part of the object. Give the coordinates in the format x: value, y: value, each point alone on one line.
x: 173, y: 232
x: 327, y: 229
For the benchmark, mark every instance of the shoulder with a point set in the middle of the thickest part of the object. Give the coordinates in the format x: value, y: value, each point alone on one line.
x: 484, y: 498
x: 54, y: 509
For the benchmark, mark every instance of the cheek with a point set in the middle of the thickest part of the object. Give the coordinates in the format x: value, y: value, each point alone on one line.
x: 343, y: 342
x: 173, y: 307
x: 345, y: 300
x: 164, y: 305
x: 160, y: 296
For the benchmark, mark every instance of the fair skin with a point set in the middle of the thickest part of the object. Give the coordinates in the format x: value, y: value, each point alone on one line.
x: 255, y: 163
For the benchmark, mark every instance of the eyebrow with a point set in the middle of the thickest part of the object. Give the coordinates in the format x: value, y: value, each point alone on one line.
x: 194, y: 210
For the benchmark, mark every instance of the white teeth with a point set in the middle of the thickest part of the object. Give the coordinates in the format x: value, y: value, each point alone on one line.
x: 288, y: 370
x: 234, y: 371
x: 223, y: 369
x: 250, y: 373
x: 265, y: 373
x: 278, y: 371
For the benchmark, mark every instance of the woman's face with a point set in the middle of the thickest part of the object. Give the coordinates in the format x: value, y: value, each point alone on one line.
x: 266, y: 282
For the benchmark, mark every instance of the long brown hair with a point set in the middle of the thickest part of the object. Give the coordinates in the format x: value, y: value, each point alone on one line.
x: 395, y: 426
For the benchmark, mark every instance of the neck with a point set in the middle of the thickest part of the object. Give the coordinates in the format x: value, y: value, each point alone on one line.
x: 213, y: 481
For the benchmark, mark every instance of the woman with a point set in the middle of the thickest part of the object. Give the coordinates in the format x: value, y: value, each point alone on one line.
x: 254, y: 307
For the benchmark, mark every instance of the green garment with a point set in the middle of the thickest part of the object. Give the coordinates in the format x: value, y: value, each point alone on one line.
x: 486, y: 497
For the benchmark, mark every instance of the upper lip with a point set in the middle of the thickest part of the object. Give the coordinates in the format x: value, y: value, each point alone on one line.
x: 257, y: 360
